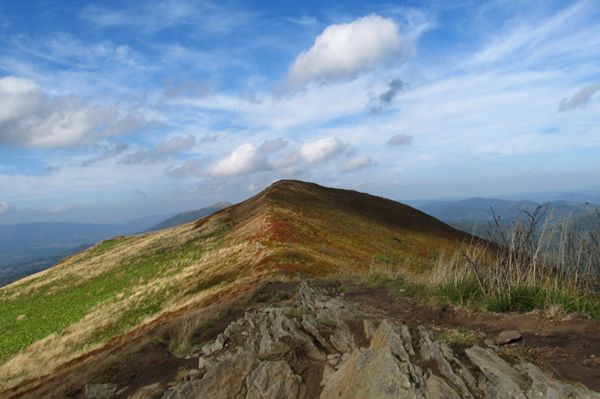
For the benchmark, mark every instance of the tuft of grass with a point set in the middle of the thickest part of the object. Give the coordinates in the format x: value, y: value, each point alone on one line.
x: 329, y: 323
x: 464, y: 292
x: 459, y: 336
x: 180, y: 341
x: 267, y: 294
x: 521, y: 298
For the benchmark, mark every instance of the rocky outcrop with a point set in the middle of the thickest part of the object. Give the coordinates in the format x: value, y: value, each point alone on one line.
x: 312, y: 348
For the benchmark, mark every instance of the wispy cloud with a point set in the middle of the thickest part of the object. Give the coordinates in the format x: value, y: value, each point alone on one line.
x: 357, y: 164
x: 172, y: 147
x: 580, y: 99
x: 204, y: 16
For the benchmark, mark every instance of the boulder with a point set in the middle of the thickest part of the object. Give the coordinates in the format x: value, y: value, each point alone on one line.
x: 508, y: 336
x: 272, y: 380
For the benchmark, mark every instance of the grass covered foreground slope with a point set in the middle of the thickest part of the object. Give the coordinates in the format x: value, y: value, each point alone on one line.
x: 292, y: 228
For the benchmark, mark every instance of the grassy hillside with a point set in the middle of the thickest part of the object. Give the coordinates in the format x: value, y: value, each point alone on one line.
x: 27, y: 248
x: 118, y: 285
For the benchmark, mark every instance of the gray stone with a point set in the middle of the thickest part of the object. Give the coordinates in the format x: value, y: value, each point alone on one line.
x: 437, y: 388
x: 272, y: 380
x: 508, y: 336
x: 100, y: 391
x: 342, y: 339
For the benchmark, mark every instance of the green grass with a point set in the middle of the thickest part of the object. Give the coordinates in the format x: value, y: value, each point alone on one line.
x: 518, y: 299
x: 54, y: 307
x: 521, y: 298
x: 467, y: 293
x: 464, y: 293
x: 458, y: 336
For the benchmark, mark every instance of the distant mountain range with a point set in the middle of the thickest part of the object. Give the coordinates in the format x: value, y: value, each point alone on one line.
x: 28, y: 248
x: 474, y: 215
x: 189, y: 216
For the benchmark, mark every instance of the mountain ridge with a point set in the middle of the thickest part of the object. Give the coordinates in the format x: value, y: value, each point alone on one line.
x: 292, y: 228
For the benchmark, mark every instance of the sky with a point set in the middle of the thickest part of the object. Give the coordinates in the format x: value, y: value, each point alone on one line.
x: 115, y: 110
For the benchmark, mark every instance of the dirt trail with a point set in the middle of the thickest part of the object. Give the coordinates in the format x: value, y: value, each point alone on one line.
x: 570, y: 348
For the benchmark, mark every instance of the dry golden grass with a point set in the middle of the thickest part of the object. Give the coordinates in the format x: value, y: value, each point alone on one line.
x: 232, y: 255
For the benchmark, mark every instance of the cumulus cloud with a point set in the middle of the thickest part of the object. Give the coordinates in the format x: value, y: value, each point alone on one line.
x: 343, y: 50
x: 29, y: 117
x: 357, y: 164
x: 3, y: 207
x: 171, y: 147
x: 322, y: 149
x: 400, y: 139
x: 377, y: 104
x: 243, y: 160
x: 579, y: 99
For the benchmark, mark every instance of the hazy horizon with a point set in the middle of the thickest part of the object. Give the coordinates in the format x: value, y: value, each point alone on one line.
x: 101, y: 214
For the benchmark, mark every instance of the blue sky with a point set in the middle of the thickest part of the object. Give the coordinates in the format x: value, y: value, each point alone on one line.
x: 121, y: 109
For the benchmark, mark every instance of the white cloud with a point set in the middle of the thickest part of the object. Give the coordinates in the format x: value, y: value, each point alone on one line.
x: 3, y: 207
x: 343, y: 50
x: 579, y: 99
x: 322, y: 149
x: 31, y: 118
x: 357, y: 164
x: 245, y: 159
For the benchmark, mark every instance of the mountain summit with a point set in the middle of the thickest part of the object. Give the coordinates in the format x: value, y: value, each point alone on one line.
x: 130, y: 284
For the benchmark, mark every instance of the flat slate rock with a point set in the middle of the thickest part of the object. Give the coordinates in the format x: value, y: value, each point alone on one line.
x: 508, y: 337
